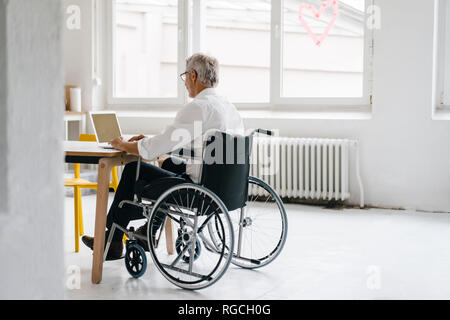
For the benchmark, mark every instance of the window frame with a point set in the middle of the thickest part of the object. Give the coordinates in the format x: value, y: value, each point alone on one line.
x: 276, y: 100
x: 442, y: 56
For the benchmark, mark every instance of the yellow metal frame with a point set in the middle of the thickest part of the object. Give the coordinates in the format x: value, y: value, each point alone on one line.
x: 77, y: 183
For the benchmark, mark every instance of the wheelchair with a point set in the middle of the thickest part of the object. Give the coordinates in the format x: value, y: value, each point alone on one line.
x: 217, y: 221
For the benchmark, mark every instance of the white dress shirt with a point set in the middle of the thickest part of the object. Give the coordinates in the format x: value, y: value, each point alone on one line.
x: 208, y: 110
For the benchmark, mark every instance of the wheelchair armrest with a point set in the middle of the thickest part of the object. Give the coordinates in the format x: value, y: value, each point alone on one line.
x: 185, y: 154
x: 264, y: 131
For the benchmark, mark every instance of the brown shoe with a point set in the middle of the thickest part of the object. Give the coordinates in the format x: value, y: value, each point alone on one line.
x: 142, y: 231
x: 115, y: 248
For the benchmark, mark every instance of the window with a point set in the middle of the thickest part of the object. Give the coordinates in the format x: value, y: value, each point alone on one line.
x: 335, y: 68
x: 267, y: 49
x: 145, y: 49
x: 325, y: 53
x: 237, y: 33
x: 442, y: 8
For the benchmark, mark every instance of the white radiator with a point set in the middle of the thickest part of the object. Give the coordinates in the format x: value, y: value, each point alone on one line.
x: 305, y: 168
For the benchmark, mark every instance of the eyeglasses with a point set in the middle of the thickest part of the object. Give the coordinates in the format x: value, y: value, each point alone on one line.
x: 184, y: 75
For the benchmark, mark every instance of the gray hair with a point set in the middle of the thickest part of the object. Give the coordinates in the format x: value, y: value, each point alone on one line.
x: 207, y: 68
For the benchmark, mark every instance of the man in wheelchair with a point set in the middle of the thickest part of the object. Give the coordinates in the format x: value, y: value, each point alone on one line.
x: 208, y: 110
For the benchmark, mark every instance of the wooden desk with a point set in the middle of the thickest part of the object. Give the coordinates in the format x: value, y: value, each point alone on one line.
x: 89, y: 152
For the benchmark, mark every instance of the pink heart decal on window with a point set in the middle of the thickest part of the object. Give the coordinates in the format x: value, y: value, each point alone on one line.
x: 317, y: 14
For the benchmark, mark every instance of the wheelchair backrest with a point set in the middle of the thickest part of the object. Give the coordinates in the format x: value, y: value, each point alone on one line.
x: 226, y: 166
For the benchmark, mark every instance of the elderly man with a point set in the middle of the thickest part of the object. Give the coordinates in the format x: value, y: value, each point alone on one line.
x: 206, y: 111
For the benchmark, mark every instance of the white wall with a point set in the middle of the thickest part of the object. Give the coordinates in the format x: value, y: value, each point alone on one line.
x: 78, y: 49
x: 31, y: 113
x: 404, y: 154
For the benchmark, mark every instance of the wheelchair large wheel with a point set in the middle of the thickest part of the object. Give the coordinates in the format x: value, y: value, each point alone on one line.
x: 260, y: 227
x: 191, y: 208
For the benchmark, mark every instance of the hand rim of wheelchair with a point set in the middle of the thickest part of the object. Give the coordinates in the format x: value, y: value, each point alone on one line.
x: 141, y: 266
x: 228, y: 257
x: 248, y: 263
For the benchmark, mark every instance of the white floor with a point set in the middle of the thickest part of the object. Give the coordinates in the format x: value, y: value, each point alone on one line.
x: 329, y: 254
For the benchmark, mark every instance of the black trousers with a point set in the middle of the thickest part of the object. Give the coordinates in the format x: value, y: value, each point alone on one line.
x: 125, y: 191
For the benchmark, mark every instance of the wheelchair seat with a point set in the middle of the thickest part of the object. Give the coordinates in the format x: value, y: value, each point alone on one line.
x: 153, y: 190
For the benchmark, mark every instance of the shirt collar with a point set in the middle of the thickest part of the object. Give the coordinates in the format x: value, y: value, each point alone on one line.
x: 206, y: 92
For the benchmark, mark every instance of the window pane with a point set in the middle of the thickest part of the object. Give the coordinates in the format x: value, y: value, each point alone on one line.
x: 146, y: 38
x: 335, y: 67
x: 238, y: 35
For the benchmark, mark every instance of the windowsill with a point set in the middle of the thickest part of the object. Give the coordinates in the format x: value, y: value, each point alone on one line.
x: 287, y: 114
x: 331, y: 113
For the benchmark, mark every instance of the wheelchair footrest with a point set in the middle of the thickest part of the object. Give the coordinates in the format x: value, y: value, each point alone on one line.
x: 257, y: 262
x: 187, y: 272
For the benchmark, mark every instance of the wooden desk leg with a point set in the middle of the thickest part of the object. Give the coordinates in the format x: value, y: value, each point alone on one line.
x: 104, y: 170
x: 169, y: 236
x: 168, y: 225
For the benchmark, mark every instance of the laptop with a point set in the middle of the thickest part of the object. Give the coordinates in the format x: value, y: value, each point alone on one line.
x: 106, y: 127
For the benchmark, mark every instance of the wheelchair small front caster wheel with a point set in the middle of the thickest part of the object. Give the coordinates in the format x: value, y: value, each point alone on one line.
x: 135, y: 260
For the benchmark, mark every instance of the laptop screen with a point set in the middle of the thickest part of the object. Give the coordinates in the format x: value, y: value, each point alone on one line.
x: 106, y: 126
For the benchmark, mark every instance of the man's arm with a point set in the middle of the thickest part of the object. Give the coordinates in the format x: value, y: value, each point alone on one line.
x: 131, y: 147
x: 182, y: 131
x: 187, y: 126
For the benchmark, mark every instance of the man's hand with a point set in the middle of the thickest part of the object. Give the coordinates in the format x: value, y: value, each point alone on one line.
x: 137, y: 138
x: 117, y: 143
x: 128, y: 147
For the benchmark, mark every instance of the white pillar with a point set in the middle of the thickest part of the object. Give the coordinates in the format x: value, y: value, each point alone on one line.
x: 3, y: 115
x: 31, y: 122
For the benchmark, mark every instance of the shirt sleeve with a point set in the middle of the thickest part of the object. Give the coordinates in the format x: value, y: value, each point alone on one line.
x: 186, y: 127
